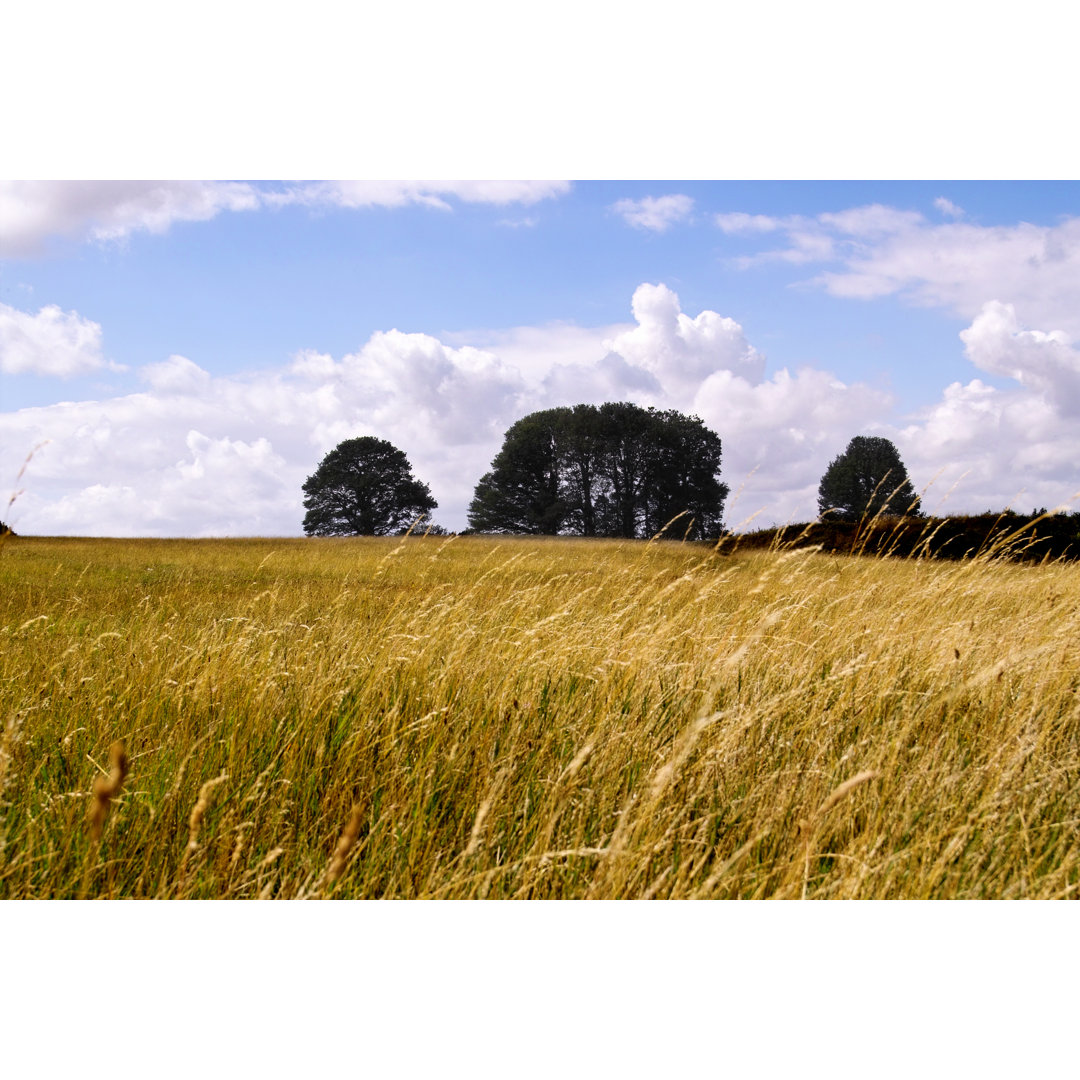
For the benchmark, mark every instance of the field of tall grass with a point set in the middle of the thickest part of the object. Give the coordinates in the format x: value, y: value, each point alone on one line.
x: 471, y: 717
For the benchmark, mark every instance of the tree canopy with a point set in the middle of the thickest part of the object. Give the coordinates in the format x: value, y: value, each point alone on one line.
x: 364, y: 487
x: 867, y: 479
x: 610, y: 470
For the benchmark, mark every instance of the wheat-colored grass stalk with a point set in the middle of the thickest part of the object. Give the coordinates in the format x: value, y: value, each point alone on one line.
x: 837, y: 795
x: 106, y: 788
x: 198, y: 812
x: 843, y: 790
x: 344, y: 845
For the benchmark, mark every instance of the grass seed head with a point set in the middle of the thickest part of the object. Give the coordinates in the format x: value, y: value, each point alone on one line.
x: 202, y: 804
x: 107, y: 788
x: 344, y: 845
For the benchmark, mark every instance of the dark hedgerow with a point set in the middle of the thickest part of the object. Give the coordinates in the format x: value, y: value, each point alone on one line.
x: 1027, y: 537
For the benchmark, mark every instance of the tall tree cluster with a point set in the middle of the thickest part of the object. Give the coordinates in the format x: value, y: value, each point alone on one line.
x: 611, y: 470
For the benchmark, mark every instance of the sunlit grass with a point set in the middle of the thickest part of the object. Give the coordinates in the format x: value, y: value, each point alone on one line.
x: 534, y: 718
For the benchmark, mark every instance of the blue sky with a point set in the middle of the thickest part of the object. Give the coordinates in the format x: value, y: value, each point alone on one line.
x: 167, y: 341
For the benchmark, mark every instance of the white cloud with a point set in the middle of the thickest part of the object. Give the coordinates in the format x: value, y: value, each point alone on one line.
x: 809, y: 239
x: 871, y: 221
x: 176, y: 375
x: 201, y: 455
x: 655, y: 214
x: 962, y: 266
x: 779, y: 432
x: 1018, y: 445
x: 355, y: 194
x: 195, y: 454
x: 824, y: 238
x: 1045, y: 362
x: 740, y: 222
x: 52, y: 342
x: 948, y: 207
x: 33, y: 211
x: 679, y: 351
x: 535, y: 350
x: 955, y: 265
x: 414, y: 383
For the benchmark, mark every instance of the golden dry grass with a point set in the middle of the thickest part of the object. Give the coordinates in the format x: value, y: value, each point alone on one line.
x: 469, y: 717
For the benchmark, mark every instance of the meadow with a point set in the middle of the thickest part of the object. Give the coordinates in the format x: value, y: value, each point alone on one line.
x: 533, y: 718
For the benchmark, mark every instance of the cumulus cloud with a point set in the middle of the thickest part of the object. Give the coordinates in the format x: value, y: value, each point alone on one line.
x: 197, y: 454
x: 1043, y: 361
x: 535, y: 351
x: 194, y: 454
x: 778, y: 431
x: 780, y: 434
x: 681, y: 351
x: 654, y: 214
x: 216, y: 487
x: 32, y: 212
x: 52, y: 342
x: 1017, y: 445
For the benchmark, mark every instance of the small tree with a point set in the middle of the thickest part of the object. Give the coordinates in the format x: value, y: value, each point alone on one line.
x: 363, y: 487
x: 868, y: 478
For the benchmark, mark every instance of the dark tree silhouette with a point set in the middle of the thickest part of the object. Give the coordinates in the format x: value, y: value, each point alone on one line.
x: 610, y: 470
x: 868, y: 478
x: 364, y: 487
x: 521, y: 492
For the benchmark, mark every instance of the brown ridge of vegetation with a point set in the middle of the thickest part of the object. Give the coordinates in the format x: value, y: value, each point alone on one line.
x: 535, y: 718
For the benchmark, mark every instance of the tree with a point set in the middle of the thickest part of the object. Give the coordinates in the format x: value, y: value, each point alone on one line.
x: 867, y: 479
x: 683, y: 477
x: 521, y: 492
x: 363, y: 487
x: 610, y: 470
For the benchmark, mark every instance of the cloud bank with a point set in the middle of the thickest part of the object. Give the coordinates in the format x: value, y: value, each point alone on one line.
x: 199, y: 455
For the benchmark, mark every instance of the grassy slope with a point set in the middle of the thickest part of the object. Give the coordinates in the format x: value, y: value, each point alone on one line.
x: 535, y: 718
